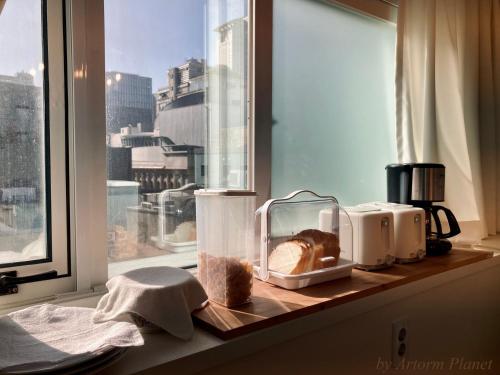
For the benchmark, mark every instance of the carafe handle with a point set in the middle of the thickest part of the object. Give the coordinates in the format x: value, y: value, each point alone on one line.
x: 452, y: 221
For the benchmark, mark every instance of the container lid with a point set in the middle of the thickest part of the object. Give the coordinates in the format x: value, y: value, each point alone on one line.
x: 226, y: 192
x: 386, y: 205
x: 362, y: 208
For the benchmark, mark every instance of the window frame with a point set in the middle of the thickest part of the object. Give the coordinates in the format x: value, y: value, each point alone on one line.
x: 85, y: 122
x: 60, y: 250
x: 88, y: 117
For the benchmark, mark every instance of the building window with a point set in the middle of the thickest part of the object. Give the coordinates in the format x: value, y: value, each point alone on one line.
x: 175, y: 108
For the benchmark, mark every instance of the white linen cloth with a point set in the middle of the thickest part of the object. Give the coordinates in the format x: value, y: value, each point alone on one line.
x: 447, y: 100
x: 163, y: 296
x: 44, y: 335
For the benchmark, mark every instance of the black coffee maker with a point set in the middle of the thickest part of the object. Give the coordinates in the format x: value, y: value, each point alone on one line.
x: 422, y: 184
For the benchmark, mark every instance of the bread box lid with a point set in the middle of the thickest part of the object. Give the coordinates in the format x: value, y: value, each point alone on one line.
x: 300, y: 213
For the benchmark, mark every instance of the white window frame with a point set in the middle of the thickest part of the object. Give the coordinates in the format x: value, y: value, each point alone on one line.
x: 88, y: 118
x: 61, y: 228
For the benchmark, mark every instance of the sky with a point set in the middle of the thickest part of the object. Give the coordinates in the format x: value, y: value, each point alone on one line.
x: 148, y: 37
x: 145, y: 37
x: 20, y: 38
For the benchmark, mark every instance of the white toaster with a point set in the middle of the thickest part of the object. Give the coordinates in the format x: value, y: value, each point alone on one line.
x: 409, y: 230
x: 372, y: 235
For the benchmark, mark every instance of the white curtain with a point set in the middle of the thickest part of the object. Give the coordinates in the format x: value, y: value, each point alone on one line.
x: 448, y: 102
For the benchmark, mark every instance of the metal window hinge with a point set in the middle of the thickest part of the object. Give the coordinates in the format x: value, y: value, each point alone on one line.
x: 9, y: 280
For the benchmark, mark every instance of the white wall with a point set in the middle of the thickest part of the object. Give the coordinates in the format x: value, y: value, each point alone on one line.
x: 458, y: 319
x: 450, y: 315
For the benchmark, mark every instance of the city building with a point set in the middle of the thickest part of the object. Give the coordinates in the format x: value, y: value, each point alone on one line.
x: 129, y: 101
x: 186, y: 86
x: 153, y: 160
x: 173, y: 154
x: 22, y: 177
x: 21, y: 132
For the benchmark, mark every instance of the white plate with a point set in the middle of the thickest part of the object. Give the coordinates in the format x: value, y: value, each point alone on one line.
x: 174, y: 246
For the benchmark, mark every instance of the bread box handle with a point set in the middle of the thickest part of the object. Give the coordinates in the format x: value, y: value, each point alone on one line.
x: 297, y: 192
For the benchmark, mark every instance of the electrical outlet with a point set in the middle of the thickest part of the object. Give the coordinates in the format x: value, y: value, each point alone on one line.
x: 399, y: 341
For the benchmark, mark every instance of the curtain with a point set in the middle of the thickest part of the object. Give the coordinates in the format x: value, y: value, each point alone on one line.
x: 448, y: 102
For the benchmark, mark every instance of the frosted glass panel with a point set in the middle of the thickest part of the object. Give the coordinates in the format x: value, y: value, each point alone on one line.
x: 333, y: 101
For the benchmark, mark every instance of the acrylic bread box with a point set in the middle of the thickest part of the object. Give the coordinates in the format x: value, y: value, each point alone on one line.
x: 177, y: 219
x: 296, y: 247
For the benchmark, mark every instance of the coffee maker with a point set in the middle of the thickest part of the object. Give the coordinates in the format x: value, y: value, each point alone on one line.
x: 422, y: 184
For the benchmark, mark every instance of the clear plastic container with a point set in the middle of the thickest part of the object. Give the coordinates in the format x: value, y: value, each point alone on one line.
x: 302, y: 240
x: 177, y: 219
x: 225, y: 235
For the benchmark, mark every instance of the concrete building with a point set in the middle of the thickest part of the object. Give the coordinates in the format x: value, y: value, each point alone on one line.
x: 119, y: 163
x: 173, y: 155
x: 22, y: 161
x: 155, y: 161
x: 169, y: 157
x: 158, y: 168
x: 183, y: 125
x: 21, y: 132
x: 129, y: 101
x: 186, y: 85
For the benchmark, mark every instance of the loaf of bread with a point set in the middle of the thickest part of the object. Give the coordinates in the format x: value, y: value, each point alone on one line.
x: 291, y: 257
x: 185, y: 232
x: 308, y: 251
x: 325, y: 245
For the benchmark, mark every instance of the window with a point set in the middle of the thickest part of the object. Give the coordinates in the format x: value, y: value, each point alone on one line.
x: 33, y: 145
x: 333, y: 101
x: 163, y: 86
x: 176, y: 121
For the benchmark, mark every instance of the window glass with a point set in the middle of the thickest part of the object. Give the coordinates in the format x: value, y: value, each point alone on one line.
x: 175, y: 82
x: 24, y: 192
x: 227, y: 46
x: 333, y: 101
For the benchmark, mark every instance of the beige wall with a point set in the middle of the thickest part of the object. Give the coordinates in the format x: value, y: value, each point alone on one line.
x: 459, y: 319
x: 452, y: 315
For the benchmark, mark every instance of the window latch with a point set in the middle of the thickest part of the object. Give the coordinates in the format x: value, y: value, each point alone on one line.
x: 9, y: 280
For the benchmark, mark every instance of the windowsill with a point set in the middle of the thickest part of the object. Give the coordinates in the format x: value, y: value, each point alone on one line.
x: 272, y: 305
x: 162, y: 351
x: 204, y: 350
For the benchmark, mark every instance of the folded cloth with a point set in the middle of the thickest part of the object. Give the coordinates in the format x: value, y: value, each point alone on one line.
x: 163, y: 296
x: 43, y: 335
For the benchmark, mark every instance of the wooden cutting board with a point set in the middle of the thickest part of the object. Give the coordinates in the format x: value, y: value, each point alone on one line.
x: 273, y: 305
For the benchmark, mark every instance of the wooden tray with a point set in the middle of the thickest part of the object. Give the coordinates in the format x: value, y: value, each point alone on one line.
x: 273, y: 305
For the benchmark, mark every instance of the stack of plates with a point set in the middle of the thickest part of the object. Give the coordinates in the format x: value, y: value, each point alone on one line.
x: 75, y: 366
